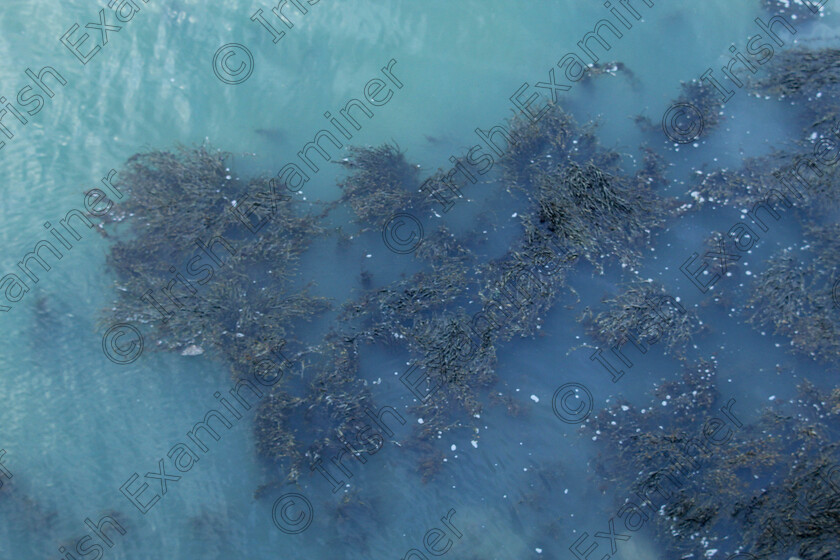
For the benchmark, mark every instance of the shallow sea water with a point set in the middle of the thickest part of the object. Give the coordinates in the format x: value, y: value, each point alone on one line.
x: 76, y: 426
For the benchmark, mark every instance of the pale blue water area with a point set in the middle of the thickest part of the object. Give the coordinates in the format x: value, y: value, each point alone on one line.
x: 76, y: 426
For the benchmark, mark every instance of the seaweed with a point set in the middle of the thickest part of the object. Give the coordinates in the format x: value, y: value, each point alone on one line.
x: 597, y: 213
x: 639, y: 314
x: 535, y: 144
x: 774, y: 183
x: 298, y: 430
x: 430, y: 461
x: 761, y: 488
x: 610, y: 69
x: 381, y: 184
x: 580, y: 203
x: 249, y: 306
x: 809, y: 78
x: 514, y: 407
x: 179, y: 199
x: 796, y: 298
x: 427, y: 313
x: 704, y: 99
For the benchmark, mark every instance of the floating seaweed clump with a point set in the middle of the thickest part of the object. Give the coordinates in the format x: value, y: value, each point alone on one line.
x: 537, y: 148
x: 322, y: 417
x: 707, y: 481
x: 427, y: 315
x: 799, y: 299
x: 808, y: 77
x: 418, y: 314
x: 704, y: 98
x: 173, y: 196
x: 431, y: 459
x: 581, y: 194
x: 799, y: 516
x: 723, y: 261
x: 392, y: 314
x: 644, y: 314
x: 554, y: 136
x: 798, y: 511
x: 191, y: 268
x: 597, y: 213
x: 805, y: 179
x: 726, y: 187
x: 652, y: 173
x: 459, y: 365
x: 514, y: 298
x: 809, y: 191
x: 802, y: 73
x: 381, y: 184
x: 247, y: 306
x: 458, y: 349
x: 256, y: 300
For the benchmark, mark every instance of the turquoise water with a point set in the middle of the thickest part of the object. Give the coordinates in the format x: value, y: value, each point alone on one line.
x: 76, y: 426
